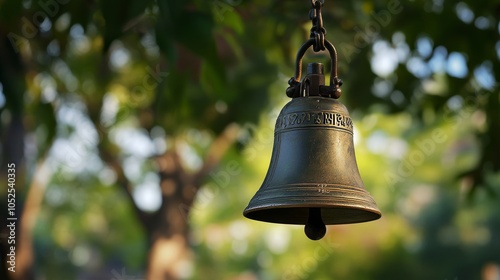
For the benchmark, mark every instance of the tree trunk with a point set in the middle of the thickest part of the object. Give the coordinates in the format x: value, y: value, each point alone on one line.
x: 170, y: 253
x: 12, y: 73
x: 32, y: 205
x: 168, y: 257
x: 168, y: 230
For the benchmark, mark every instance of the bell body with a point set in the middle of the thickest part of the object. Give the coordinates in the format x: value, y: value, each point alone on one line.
x: 313, y: 165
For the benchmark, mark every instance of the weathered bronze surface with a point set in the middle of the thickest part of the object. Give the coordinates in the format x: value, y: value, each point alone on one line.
x: 313, y: 165
x: 313, y: 178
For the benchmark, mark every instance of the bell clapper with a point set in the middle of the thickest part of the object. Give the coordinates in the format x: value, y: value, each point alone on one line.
x: 315, y: 229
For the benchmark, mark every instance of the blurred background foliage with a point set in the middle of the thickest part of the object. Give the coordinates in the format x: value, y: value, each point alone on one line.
x: 134, y: 123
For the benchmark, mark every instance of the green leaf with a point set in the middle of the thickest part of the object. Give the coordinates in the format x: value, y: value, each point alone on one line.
x: 47, y: 119
x: 210, y: 82
x: 165, y: 41
x: 117, y: 14
x: 226, y: 15
x: 194, y: 30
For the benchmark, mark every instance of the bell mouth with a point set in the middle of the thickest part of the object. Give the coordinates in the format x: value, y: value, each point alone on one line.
x: 331, y: 215
x: 290, y: 204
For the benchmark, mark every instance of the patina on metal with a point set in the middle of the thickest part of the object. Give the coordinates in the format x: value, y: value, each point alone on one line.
x: 313, y: 177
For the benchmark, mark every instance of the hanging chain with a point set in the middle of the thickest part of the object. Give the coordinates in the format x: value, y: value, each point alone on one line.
x: 319, y: 43
x: 318, y: 32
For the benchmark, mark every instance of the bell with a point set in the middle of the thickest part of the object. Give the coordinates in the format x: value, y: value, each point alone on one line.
x: 313, y: 178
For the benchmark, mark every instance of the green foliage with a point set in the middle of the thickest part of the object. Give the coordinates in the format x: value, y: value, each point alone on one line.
x: 83, y: 227
x: 117, y: 15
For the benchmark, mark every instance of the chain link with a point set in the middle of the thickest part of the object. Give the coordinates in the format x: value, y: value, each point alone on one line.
x: 318, y: 32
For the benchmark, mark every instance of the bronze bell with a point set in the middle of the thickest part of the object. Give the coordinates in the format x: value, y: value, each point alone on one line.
x: 313, y: 178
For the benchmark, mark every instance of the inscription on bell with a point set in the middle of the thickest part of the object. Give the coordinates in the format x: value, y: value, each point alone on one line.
x: 315, y: 118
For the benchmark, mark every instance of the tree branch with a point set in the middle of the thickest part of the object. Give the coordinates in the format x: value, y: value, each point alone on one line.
x: 217, y: 150
x: 123, y: 182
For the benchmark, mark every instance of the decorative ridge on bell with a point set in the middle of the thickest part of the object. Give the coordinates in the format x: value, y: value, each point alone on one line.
x: 313, y: 177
